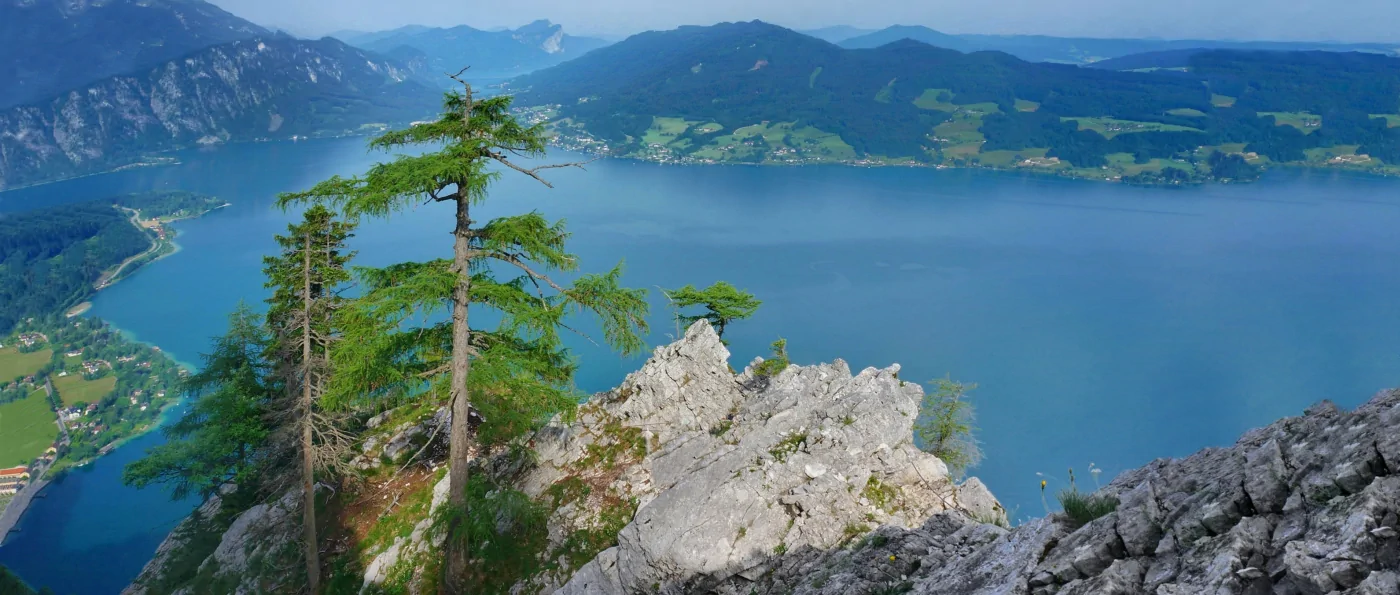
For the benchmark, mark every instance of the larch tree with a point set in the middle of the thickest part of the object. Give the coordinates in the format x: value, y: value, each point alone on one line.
x: 221, y: 438
x: 723, y: 304
x: 306, y: 277
x: 506, y: 265
x: 945, y: 425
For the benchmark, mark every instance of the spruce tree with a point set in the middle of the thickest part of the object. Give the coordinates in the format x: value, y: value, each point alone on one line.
x: 306, y: 276
x: 506, y: 265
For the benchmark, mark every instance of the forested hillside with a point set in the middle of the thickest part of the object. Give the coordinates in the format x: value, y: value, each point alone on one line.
x: 50, y: 258
x: 1084, y: 50
x: 761, y: 93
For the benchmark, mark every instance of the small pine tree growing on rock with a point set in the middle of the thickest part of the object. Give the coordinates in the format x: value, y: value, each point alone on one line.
x: 945, y: 426
x: 723, y: 304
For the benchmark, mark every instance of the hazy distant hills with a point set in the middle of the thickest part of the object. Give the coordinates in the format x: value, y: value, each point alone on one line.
x: 1040, y: 48
x: 836, y: 34
x: 435, y: 51
x: 758, y: 92
x: 48, y: 46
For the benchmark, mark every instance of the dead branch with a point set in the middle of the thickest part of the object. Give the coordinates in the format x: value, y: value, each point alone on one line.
x: 534, y: 171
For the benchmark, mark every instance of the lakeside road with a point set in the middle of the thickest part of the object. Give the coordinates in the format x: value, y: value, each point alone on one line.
x: 109, y: 277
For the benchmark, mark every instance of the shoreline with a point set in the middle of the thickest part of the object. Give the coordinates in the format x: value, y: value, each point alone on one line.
x: 119, y: 275
x: 14, y: 511
x: 174, y: 160
x: 1384, y: 171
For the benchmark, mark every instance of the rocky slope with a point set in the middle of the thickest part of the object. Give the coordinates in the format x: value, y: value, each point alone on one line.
x: 1306, y: 506
x: 51, y: 46
x: 272, y: 87
x: 690, y: 478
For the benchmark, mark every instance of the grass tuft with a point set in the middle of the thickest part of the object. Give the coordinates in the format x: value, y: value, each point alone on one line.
x: 1081, y: 508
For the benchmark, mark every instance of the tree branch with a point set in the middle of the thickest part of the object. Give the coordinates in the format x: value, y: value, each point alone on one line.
x: 534, y: 171
x: 514, y: 260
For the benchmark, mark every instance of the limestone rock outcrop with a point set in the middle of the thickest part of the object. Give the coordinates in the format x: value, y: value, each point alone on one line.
x: 1306, y: 506
x: 728, y: 472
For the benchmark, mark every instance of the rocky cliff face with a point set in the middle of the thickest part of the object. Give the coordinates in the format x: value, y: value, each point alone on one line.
x: 1306, y: 506
x: 274, y: 87
x: 691, y: 478
x: 51, y: 46
x: 726, y: 473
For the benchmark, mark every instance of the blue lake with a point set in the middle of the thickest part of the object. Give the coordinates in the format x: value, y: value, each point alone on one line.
x: 1102, y: 323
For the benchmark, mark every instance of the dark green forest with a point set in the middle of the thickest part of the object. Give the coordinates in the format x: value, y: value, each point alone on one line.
x: 50, y: 258
x: 740, y: 74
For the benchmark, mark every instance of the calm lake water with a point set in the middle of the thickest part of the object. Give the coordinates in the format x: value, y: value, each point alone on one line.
x: 1102, y: 323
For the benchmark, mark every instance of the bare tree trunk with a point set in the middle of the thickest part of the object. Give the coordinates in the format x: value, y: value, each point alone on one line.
x: 459, y: 437
x: 308, y: 518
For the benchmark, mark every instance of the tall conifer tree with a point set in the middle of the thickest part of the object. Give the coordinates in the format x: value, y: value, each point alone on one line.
x: 520, y: 364
x: 306, y: 277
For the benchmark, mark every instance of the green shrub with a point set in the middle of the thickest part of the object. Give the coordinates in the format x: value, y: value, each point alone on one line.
x: 582, y: 545
x: 504, y: 532
x: 774, y: 365
x: 945, y: 426
x: 787, y: 446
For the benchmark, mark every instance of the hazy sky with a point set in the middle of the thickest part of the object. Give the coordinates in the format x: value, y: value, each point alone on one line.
x: 1343, y: 20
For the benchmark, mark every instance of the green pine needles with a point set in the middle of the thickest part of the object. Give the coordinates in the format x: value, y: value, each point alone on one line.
x: 723, y: 304
x: 945, y: 425
x: 513, y: 370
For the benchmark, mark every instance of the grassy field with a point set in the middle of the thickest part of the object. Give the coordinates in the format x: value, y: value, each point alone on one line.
x: 1110, y: 127
x: 74, y: 389
x: 936, y: 99
x: 13, y: 363
x: 1325, y: 153
x: 665, y: 130
x: 884, y: 95
x: 809, y: 142
x: 1391, y: 120
x: 1024, y: 105
x: 1222, y: 100
x: 812, y: 79
x: 27, y: 428
x: 1125, y: 163
x: 1009, y: 158
x: 1188, y: 112
x: 960, y: 137
x: 1306, y: 122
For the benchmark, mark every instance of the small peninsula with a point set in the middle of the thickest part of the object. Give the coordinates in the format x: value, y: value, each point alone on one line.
x: 71, y: 389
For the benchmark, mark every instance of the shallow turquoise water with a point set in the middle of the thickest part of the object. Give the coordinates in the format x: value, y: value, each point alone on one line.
x: 1103, y: 323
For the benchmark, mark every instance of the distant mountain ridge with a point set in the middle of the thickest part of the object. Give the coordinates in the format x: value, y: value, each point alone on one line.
x: 434, y: 51
x: 836, y: 34
x: 1043, y: 48
x: 266, y: 88
x: 755, y: 92
x: 50, y: 46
